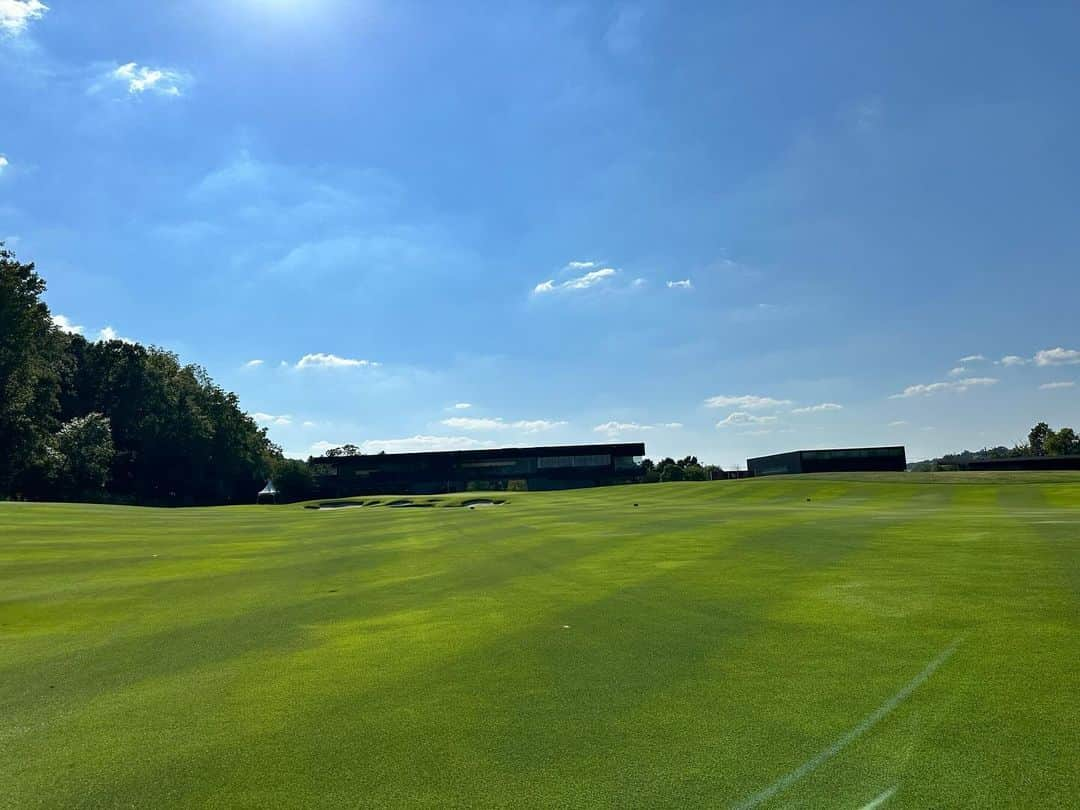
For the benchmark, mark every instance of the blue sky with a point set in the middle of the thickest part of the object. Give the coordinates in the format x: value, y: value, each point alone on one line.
x: 725, y: 229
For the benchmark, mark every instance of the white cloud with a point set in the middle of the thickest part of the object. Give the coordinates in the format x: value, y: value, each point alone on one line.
x: 462, y: 406
x: 824, y: 406
x: 747, y: 401
x: 1012, y: 360
x: 743, y: 418
x: 897, y: 423
x: 680, y: 285
x: 959, y: 371
x: 4, y: 163
x: 1051, y: 386
x: 580, y: 265
x: 638, y: 283
x: 322, y: 360
x: 471, y: 423
x: 253, y: 363
x: 1057, y: 357
x: 310, y: 424
x: 62, y: 323
x: 108, y: 333
x: 973, y: 358
x: 270, y: 419
x: 933, y: 388
x: 142, y: 79
x: 16, y: 14
x: 614, y: 428
x: 584, y: 282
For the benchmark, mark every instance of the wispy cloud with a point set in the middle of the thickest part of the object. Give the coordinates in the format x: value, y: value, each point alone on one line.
x: 582, y: 282
x: 271, y: 419
x: 680, y: 285
x: 475, y: 424
x: 322, y: 360
x: 897, y: 423
x: 64, y: 324
x: 938, y: 387
x: 4, y: 163
x: 740, y: 418
x: 615, y: 428
x: 1013, y: 360
x: 747, y: 401
x: 15, y: 15
x: 140, y: 79
x: 1057, y: 357
x: 581, y: 265
x: 959, y: 371
x: 972, y: 358
x: 1051, y: 386
x: 253, y: 363
x: 824, y: 406
x: 462, y: 406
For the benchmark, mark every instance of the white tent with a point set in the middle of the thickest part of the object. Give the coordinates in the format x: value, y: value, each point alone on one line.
x: 269, y: 490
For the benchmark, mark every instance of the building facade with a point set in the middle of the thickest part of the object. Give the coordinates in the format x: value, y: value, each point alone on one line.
x: 527, y: 468
x: 1024, y: 463
x: 852, y: 459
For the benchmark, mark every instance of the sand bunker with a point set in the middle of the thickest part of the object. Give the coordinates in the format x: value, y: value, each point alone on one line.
x: 338, y: 505
x: 481, y: 503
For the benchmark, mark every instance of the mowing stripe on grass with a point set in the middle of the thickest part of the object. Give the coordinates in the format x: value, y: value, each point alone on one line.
x: 880, y: 800
x: 868, y: 722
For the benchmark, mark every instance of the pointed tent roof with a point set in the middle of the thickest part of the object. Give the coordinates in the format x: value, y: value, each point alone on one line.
x: 269, y: 489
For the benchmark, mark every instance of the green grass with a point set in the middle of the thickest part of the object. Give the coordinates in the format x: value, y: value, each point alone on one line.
x: 903, y: 633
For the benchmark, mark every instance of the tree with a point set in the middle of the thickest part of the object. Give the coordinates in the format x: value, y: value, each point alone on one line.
x: 293, y: 479
x: 1037, y: 438
x: 672, y: 472
x: 694, y: 472
x: 689, y: 461
x: 31, y: 366
x: 1063, y: 442
x: 83, y: 455
x: 713, y: 472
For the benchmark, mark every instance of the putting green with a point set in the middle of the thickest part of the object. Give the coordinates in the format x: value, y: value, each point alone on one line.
x: 828, y: 641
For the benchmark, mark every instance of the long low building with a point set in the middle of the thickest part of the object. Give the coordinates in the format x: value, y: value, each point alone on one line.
x: 850, y: 459
x: 530, y: 468
x: 1024, y: 463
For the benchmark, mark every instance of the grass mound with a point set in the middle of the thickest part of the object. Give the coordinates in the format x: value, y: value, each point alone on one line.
x: 905, y: 640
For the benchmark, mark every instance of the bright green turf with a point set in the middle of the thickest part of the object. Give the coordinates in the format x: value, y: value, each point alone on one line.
x: 719, y: 637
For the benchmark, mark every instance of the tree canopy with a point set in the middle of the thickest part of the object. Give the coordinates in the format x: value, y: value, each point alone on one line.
x: 164, y: 431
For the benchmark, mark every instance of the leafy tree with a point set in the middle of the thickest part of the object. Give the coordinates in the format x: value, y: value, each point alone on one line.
x: 293, y: 479
x: 672, y: 472
x: 31, y: 365
x: 1037, y: 438
x: 689, y: 461
x: 694, y: 472
x: 83, y: 455
x: 713, y: 472
x: 1063, y: 442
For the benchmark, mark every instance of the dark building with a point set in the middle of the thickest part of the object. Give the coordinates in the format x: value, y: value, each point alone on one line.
x: 1024, y: 463
x: 532, y: 468
x: 854, y: 459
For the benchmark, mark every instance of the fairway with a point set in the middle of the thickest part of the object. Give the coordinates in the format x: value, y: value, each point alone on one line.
x: 840, y: 641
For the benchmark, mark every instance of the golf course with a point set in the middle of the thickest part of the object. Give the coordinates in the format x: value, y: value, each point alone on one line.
x: 848, y: 640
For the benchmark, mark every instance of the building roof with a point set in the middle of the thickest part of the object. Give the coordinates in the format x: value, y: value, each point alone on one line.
x: 619, y: 449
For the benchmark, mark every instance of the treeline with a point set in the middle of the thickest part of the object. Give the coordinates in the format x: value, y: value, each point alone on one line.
x: 1042, y: 441
x: 113, y: 420
x: 685, y: 469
